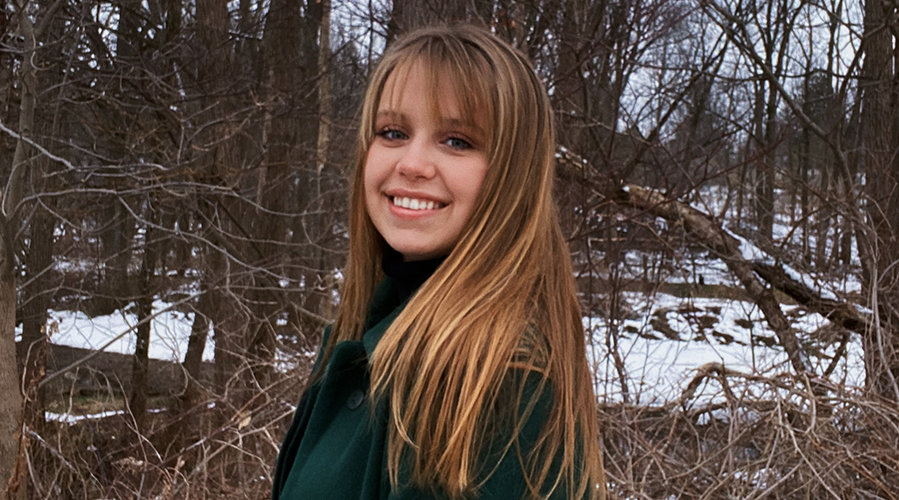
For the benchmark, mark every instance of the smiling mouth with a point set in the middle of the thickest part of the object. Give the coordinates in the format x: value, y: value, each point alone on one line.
x: 415, y: 203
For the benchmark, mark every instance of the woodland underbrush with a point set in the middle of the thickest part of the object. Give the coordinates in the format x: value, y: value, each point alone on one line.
x: 190, y: 445
x: 727, y: 436
x: 759, y: 437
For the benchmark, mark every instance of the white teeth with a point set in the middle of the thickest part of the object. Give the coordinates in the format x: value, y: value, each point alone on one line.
x: 415, y: 203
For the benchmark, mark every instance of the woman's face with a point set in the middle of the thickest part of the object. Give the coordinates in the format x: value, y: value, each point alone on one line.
x: 424, y: 170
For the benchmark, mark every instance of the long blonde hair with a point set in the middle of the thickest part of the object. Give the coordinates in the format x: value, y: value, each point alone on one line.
x: 503, y: 301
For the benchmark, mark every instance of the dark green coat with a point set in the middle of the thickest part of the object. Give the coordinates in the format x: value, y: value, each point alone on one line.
x: 336, y: 447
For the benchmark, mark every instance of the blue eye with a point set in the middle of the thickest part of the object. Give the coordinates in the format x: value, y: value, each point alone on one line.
x: 391, y: 134
x: 458, y: 143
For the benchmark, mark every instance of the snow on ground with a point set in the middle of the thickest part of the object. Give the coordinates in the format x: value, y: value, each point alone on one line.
x: 663, y: 341
x: 68, y: 418
x: 704, y: 330
x: 169, y: 332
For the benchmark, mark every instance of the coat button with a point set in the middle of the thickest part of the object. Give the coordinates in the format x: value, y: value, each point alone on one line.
x: 355, y: 399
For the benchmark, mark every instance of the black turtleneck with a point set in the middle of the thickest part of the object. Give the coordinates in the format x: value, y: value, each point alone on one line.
x: 408, y: 276
x: 403, y: 279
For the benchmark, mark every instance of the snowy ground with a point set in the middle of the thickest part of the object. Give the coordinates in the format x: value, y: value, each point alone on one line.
x: 169, y: 333
x: 662, y: 342
x: 667, y: 338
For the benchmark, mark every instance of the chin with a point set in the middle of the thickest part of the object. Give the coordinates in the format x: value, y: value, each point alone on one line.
x: 411, y: 253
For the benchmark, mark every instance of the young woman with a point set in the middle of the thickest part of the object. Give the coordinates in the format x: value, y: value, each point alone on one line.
x: 456, y: 367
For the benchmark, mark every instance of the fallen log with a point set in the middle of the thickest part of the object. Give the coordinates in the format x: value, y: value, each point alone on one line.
x: 729, y: 249
x: 749, y: 264
x: 840, y: 313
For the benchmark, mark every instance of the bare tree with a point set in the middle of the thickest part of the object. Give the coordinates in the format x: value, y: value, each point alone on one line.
x: 880, y: 111
x: 10, y: 214
x: 407, y: 15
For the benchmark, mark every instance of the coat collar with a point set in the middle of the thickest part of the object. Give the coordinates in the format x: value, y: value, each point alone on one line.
x: 385, y: 306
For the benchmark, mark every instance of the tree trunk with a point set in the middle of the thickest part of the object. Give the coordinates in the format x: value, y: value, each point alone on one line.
x: 805, y: 209
x: 768, y: 178
x: 186, y: 424
x: 407, y: 15
x: 10, y: 395
x: 141, y: 360
x: 757, y: 151
x: 824, y: 215
x: 39, y: 284
x: 10, y: 392
x: 196, y: 344
x: 286, y: 180
x: 571, y: 95
x: 879, y: 115
x: 37, y: 295
x: 314, y: 279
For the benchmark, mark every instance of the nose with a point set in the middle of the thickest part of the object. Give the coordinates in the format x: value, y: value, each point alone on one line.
x: 417, y: 161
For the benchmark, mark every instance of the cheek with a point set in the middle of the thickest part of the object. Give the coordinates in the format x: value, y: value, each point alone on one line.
x: 367, y: 187
x: 370, y: 185
x: 370, y: 169
x: 479, y: 188
x: 473, y: 183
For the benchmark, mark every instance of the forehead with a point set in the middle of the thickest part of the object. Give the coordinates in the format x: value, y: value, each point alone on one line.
x: 437, y: 86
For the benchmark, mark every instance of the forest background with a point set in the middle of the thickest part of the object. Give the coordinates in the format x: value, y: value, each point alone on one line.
x: 194, y: 154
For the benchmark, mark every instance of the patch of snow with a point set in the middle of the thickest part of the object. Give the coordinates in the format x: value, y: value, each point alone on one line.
x: 70, y: 419
x: 708, y: 330
x: 79, y: 266
x: 169, y: 332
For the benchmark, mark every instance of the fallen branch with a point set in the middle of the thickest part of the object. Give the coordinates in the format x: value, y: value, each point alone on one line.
x: 840, y: 313
x: 728, y: 248
x: 731, y: 249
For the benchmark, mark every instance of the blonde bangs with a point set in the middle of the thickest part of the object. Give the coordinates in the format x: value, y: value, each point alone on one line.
x: 473, y: 96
